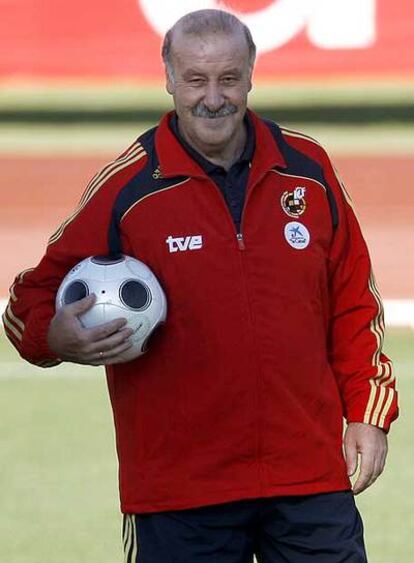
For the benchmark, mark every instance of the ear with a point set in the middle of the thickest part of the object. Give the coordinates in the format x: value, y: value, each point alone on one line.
x: 169, y: 86
x: 169, y: 80
x: 250, y: 83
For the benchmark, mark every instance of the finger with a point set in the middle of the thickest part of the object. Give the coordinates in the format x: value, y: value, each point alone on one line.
x: 109, y: 343
x: 384, y: 454
x: 87, y: 352
x: 115, y: 356
x: 105, y: 330
x: 112, y: 356
x: 366, y: 473
x: 375, y: 474
x: 351, y: 457
x: 383, y: 460
x: 377, y: 470
x: 81, y: 306
x: 108, y: 347
x: 379, y: 464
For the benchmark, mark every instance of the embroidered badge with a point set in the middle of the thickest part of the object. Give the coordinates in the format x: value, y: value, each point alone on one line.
x: 297, y: 235
x: 294, y: 203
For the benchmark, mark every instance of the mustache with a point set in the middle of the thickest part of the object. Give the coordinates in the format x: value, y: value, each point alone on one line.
x: 201, y: 110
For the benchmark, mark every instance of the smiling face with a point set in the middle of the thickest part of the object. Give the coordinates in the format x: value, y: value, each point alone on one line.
x: 210, y: 84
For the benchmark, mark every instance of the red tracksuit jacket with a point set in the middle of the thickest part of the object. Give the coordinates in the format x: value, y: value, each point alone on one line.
x: 273, y: 334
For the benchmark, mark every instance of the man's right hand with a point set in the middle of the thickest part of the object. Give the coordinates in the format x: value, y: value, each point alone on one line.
x: 100, y: 345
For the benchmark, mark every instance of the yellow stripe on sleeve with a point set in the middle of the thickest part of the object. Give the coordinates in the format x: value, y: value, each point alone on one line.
x: 379, y: 405
x: 380, y: 397
x: 11, y: 329
x: 106, y: 170
x: 386, y: 409
x: 13, y: 318
x: 299, y: 135
x: 111, y: 170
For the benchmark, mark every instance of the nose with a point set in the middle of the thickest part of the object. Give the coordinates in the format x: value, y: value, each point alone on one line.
x: 213, y: 97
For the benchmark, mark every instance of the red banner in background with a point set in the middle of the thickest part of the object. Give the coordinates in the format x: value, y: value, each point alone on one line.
x: 121, y: 39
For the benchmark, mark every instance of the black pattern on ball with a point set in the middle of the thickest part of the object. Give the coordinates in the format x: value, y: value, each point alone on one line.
x: 135, y: 295
x: 75, y: 291
x: 108, y: 260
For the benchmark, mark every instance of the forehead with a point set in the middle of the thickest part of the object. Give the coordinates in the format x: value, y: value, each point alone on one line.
x: 213, y: 51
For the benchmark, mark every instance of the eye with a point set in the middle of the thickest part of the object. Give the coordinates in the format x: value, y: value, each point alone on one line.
x: 229, y: 80
x: 196, y: 82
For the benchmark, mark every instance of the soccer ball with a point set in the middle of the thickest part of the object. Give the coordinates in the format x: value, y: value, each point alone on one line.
x: 124, y: 287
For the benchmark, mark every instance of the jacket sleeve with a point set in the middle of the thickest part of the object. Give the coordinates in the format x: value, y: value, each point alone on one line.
x: 363, y: 372
x: 85, y: 233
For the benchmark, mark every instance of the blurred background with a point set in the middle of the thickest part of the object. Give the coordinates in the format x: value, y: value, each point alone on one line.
x: 79, y: 82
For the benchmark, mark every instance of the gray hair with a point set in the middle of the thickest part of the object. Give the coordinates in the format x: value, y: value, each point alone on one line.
x: 202, y: 22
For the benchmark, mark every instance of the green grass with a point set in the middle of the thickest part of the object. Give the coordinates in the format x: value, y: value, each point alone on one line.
x: 57, y: 119
x: 387, y: 507
x: 129, y: 95
x: 37, y: 140
x: 58, y: 474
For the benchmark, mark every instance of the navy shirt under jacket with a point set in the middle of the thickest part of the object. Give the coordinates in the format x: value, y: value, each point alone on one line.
x: 232, y: 183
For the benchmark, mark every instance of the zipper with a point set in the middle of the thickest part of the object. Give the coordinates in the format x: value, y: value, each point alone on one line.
x: 240, y: 241
x: 242, y: 247
x: 257, y: 394
x: 240, y: 238
x: 239, y: 235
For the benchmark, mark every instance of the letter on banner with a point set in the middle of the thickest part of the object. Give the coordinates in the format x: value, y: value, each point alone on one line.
x: 330, y: 24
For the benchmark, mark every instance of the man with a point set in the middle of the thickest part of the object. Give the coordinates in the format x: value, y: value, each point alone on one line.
x: 229, y: 431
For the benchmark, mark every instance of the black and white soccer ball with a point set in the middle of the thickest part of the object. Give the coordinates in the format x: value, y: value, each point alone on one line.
x: 124, y: 287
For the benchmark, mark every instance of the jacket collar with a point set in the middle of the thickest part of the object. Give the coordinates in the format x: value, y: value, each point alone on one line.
x: 174, y: 160
x: 208, y: 166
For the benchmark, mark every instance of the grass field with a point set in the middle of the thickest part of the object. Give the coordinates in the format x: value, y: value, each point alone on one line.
x: 58, y: 472
x: 133, y: 95
x: 109, y: 139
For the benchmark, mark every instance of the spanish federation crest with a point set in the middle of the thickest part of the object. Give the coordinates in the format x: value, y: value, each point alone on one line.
x: 294, y: 203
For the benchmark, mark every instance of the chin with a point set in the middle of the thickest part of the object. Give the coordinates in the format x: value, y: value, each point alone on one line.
x: 215, y: 139
x: 216, y: 132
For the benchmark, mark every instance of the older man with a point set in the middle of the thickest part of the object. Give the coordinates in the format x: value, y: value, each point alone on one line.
x: 229, y: 431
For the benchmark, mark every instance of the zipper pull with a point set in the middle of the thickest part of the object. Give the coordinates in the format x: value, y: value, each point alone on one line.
x: 240, y: 241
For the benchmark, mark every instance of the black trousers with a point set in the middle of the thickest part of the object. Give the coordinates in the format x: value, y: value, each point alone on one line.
x: 323, y: 528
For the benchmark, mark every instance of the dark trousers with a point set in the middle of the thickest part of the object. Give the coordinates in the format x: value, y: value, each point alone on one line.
x: 323, y: 528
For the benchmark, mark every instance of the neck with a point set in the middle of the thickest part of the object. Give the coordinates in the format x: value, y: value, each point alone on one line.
x: 225, y: 155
